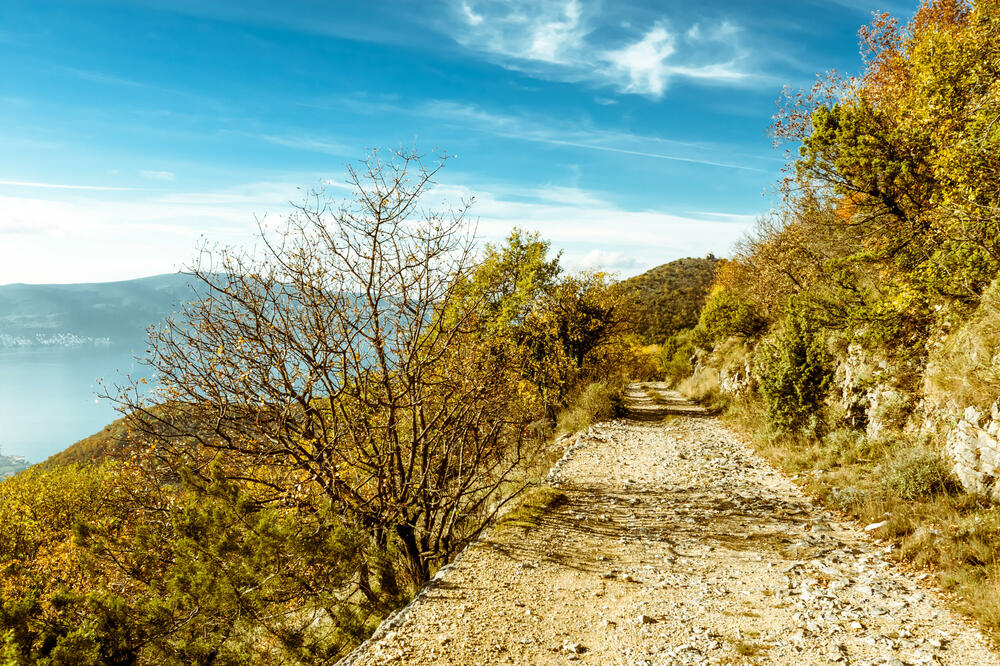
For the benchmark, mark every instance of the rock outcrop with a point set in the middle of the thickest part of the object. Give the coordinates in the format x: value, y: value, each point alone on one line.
x: 974, y: 445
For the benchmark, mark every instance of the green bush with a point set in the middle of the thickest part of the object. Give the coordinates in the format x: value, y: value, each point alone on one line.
x: 794, y: 371
x: 917, y: 473
x: 726, y: 314
x: 676, y: 355
x: 701, y: 339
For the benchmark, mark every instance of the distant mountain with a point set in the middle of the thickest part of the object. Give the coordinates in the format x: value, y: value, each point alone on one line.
x: 74, y: 315
x: 669, y: 297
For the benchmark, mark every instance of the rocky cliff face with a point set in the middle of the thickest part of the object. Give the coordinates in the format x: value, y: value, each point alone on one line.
x: 869, y: 394
x: 877, y: 395
x: 974, y: 445
x: 734, y: 380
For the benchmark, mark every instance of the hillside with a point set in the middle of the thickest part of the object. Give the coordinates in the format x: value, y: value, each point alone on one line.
x: 71, y: 315
x: 669, y: 297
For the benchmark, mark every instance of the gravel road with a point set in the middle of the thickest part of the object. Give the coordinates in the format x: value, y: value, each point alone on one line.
x: 678, y: 545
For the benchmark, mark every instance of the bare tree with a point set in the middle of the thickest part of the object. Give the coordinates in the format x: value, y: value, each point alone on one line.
x: 338, y: 359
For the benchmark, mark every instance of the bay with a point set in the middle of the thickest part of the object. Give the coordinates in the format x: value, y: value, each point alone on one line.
x: 48, y: 397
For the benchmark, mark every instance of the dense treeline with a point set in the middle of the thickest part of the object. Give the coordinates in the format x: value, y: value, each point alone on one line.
x: 337, y: 416
x: 855, y: 324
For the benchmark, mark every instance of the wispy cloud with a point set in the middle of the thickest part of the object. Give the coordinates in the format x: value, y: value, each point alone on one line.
x: 61, y: 186
x: 561, y: 132
x: 568, y: 41
x: 104, y: 78
x: 587, y: 138
x: 309, y: 143
x: 726, y: 217
x: 157, y: 175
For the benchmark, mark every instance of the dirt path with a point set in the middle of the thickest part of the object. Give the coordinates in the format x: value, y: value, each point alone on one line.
x: 677, y: 545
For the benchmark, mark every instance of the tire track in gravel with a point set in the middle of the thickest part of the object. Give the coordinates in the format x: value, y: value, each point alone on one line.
x: 678, y: 545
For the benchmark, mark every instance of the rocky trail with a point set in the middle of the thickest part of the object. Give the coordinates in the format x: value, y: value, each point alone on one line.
x: 676, y: 545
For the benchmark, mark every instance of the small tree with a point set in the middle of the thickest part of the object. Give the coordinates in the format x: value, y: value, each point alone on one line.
x: 794, y: 372
x: 727, y: 314
x: 326, y: 361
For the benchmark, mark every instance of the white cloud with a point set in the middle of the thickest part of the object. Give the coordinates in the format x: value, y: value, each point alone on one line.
x: 60, y: 186
x: 562, y: 40
x: 545, y: 131
x: 594, y: 232
x: 644, y: 63
x: 81, y: 238
x: 472, y: 17
x: 648, y: 65
x: 554, y: 39
x: 614, y: 262
x: 157, y: 175
x: 541, y: 30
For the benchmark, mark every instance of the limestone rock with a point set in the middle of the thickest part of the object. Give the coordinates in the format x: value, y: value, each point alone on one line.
x: 974, y: 447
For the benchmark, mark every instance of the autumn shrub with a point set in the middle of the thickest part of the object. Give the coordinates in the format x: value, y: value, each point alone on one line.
x: 676, y: 355
x: 597, y: 401
x: 917, y: 473
x: 793, y: 372
x: 726, y: 314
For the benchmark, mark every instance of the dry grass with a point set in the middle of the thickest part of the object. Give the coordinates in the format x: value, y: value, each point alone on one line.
x: 596, y: 402
x: 702, y: 387
x: 748, y: 648
x: 656, y: 397
x: 533, y: 505
x: 747, y: 652
x: 936, y: 527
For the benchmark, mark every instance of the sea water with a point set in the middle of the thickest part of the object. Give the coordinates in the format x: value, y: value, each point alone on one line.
x: 49, y: 397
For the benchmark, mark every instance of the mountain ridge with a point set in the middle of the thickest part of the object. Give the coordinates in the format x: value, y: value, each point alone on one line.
x: 87, y: 314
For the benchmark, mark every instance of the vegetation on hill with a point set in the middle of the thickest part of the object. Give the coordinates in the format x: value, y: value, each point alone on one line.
x: 853, y: 326
x: 669, y: 297
x: 332, y: 422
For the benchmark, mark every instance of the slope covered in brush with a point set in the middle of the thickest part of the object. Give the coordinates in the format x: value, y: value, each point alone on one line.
x: 669, y: 297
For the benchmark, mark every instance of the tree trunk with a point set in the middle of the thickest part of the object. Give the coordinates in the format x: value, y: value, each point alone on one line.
x: 418, y: 568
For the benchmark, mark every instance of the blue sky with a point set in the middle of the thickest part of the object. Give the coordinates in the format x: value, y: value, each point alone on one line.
x: 627, y: 133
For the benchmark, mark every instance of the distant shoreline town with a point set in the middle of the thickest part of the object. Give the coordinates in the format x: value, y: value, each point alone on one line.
x: 60, y: 340
x: 11, y: 465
